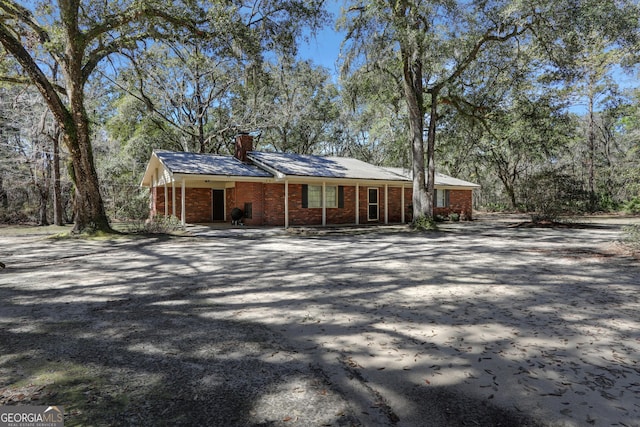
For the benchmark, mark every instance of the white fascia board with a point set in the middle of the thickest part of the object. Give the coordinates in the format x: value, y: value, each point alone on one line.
x: 165, y: 177
x: 346, y: 181
x: 220, y: 178
x: 456, y: 187
x: 147, y: 178
x: 276, y: 173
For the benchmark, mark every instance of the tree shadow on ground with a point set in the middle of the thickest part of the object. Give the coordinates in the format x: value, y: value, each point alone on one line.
x: 400, y: 329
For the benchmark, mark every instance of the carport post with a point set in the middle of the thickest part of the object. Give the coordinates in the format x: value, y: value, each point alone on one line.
x: 286, y: 203
x: 402, y: 204
x: 166, y: 199
x: 154, y: 194
x: 173, y: 196
x: 386, y: 203
x: 183, y: 215
x: 324, y: 203
x: 357, y: 204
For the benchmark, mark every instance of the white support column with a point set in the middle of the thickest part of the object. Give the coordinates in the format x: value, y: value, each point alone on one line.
x: 173, y: 197
x: 154, y: 194
x: 166, y: 199
x: 286, y: 203
x: 324, y: 203
x: 183, y: 216
x: 386, y: 203
x: 402, y: 204
x: 357, y: 204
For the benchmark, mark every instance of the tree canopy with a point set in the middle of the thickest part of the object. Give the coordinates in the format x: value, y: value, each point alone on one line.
x: 490, y: 91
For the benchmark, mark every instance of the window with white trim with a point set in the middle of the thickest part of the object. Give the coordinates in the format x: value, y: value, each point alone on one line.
x: 332, y: 196
x: 442, y: 198
x: 314, y: 196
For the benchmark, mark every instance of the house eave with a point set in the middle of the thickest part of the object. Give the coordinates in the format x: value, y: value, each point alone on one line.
x: 279, y: 176
x: 193, y: 178
x: 155, y: 163
x: 294, y: 179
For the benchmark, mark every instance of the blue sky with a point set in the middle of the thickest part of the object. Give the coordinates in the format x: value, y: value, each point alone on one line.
x: 324, y: 48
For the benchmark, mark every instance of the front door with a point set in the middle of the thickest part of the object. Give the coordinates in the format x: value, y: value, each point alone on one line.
x: 218, y: 205
x: 373, y: 204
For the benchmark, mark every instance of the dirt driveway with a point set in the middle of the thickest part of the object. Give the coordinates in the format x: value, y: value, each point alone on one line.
x: 479, y: 324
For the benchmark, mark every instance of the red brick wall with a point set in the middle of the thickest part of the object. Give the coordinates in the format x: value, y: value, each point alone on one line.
x: 408, y: 204
x: 460, y: 202
x: 299, y: 215
x: 268, y: 204
x: 199, y: 204
x: 274, y: 204
x: 395, y: 206
x: 247, y: 192
x: 347, y: 214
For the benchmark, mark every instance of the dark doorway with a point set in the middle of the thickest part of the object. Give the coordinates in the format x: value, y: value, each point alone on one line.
x: 218, y: 205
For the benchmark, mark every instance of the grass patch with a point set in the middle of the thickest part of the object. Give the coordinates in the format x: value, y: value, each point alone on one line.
x: 91, y: 394
x: 85, y: 391
x: 424, y: 223
x: 34, y: 230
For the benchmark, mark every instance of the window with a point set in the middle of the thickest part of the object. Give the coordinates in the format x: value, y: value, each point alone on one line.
x: 442, y: 198
x: 332, y: 196
x: 312, y: 196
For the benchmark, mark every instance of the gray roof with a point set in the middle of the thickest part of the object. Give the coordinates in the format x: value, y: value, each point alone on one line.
x: 323, y: 167
x: 301, y: 165
x: 208, y: 164
x: 440, y: 178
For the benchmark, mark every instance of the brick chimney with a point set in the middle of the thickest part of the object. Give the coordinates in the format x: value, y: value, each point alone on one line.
x: 244, y: 143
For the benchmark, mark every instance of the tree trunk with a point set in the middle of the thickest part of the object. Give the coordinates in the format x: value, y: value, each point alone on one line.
x: 591, y: 146
x: 43, y: 188
x: 57, y: 191
x: 431, y: 145
x: 412, y: 84
x: 4, y: 198
x: 89, y: 212
x: 73, y: 120
x: 89, y: 208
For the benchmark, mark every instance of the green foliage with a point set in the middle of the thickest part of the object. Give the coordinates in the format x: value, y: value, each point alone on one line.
x: 606, y: 203
x: 552, y: 193
x: 496, y: 207
x: 295, y: 105
x: 424, y: 223
x: 632, y: 236
x: 633, y: 206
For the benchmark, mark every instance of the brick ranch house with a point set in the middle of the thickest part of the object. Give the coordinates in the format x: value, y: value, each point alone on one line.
x: 279, y: 189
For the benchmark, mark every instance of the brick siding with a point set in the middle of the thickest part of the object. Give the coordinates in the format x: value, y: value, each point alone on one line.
x: 267, y: 202
x: 460, y: 202
x: 199, y: 203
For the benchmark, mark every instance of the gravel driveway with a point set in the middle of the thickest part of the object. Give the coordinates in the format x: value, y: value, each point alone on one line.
x: 481, y: 323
